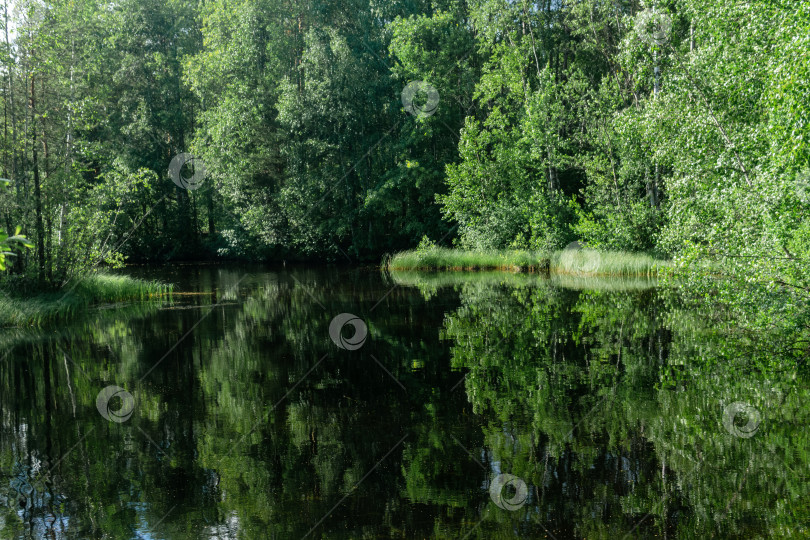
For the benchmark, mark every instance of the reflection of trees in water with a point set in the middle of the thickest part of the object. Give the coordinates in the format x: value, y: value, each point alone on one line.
x: 623, y: 397
x: 609, y: 404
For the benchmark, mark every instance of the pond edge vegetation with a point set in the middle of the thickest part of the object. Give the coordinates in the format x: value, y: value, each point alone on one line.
x: 577, y: 262
x: 75, y: 298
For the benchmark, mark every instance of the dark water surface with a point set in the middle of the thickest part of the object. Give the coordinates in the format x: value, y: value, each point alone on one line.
x: 478, y: 406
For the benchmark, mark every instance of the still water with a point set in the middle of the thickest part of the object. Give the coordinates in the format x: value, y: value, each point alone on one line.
x: 439, y: 406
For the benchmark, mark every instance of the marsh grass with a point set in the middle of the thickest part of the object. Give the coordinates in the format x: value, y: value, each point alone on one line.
x: 587, y: 262
x: 91, y: 291
x: 582, y: 262
x: 453, y: 259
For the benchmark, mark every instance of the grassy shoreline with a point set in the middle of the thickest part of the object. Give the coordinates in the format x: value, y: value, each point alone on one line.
x: 575, y: 262
x: 75, y: 299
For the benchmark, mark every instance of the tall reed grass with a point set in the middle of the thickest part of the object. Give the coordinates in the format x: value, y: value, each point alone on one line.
x: 76, y: 298
x: 589, y: 262
x: 454, y: 259
x: 575, y: 262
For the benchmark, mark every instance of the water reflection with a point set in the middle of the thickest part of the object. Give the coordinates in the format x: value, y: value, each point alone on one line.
x: 615, y: 409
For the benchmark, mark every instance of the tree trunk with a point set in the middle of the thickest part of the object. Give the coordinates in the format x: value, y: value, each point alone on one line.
x: 212, y: 229
x: 656, y: 178
x: 691, y: 36
x: 553, y: 182
x: 48, y: 210
x: 37, y: 188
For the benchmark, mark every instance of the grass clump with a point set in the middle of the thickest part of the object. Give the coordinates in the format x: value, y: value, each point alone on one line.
x: 575, y: 262
x: 75, y: 298
x: 454, y: 259
x: 590, y: 262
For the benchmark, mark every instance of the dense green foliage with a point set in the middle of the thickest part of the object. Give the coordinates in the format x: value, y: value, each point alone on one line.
x: 678, y: 128
x: 348, y: 130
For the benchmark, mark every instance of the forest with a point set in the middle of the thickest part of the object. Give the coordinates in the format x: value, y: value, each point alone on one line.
x: 350, y: 269
x: 345, y: 131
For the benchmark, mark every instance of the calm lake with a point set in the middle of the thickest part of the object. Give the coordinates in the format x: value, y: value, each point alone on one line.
x: 263, y: 402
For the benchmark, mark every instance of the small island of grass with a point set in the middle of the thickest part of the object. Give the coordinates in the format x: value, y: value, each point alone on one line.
x: 569, y: 261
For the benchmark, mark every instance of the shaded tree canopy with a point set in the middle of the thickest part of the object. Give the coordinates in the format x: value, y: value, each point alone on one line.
x: 347, y: 130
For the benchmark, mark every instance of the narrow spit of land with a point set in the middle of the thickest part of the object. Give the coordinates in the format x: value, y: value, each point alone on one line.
x: 569, y: 261
x: 76, y: 298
